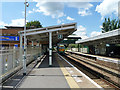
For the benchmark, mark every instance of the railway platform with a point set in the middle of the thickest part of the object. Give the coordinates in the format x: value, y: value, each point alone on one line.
x: 108, y: 68
x: 62, y: 74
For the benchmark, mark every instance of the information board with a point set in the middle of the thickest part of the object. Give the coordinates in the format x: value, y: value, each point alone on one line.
x: 9, y: 38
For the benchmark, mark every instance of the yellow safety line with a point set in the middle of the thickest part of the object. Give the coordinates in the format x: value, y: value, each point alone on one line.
x: 68, y: 77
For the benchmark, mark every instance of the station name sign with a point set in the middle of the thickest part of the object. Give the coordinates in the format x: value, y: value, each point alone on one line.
x: 9, y: 38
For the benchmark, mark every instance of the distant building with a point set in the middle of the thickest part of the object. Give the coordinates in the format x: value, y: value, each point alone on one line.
x: 70, y: 40
x: 106, y: 44
x: 9, y: 36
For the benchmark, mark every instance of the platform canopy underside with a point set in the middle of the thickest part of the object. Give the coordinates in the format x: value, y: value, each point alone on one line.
x: 41, y: 35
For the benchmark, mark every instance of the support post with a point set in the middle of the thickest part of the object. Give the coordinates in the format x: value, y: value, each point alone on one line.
x: 32, y: 43
x: 24, y: 60
x: 37, y: 44
x: 50, y: 48
x: 20, y: 57
x: 78, y: 47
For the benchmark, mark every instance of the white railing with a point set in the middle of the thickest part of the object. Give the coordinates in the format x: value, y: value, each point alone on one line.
x: 10, y: 59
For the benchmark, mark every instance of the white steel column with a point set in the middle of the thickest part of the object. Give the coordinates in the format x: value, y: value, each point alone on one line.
x: 32, y: 43
x: 24, y: 60
x: 20, y: 57
x: 50, y: 48
x: 40, y: 50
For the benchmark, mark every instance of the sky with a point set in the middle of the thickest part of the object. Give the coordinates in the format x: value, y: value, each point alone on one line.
x: 89, y: 15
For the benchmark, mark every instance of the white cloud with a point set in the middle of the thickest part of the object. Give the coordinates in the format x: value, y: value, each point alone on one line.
x: 30, y: 12
x: 69, y: 18
x: 81, y: 28
x: 53, y: 9
x: 56, y: 9
x: 94, y: 33
x: 23, y: 13
x: 68, y: 0
x: 101, y: 26
x: 81, y: 31
x: 59, y: 21
x: 15, y: 22
x: 108, y: 7
x: 2, y: 24
x: 119, y: 10
x: 83, y: 7
x: 84, y: 12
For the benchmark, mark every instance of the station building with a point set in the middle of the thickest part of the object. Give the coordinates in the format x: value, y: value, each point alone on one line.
x: 106, y: 44
x: 9, y: 36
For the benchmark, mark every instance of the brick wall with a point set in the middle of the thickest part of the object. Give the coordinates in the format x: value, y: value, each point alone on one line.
x: 10, y: 32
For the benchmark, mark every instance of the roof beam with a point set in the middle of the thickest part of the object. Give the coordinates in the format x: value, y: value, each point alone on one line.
x: 49, y: 28
x: 46, y: 31
x: 106, y: 35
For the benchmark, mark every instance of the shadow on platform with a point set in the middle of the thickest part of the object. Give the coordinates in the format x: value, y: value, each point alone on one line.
x: 45, y: 63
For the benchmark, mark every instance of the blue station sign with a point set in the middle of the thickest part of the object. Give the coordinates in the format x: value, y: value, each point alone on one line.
x: 9, y: 38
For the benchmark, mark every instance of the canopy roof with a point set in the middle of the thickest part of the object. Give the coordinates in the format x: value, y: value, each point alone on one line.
x: 112, y: 37
x: 42, y: 34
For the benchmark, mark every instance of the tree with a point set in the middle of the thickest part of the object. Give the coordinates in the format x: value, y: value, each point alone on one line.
x: 33, y: 24
x: 118, y: 24
x: 105, y: 26
x: 109, y: 25
x: 114, y: 23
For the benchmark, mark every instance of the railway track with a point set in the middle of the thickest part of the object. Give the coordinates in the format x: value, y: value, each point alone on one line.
x: 96, y: 76
x: 15, y: 79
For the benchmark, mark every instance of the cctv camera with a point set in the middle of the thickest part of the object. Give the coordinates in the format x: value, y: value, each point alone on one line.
x: 27, y: 4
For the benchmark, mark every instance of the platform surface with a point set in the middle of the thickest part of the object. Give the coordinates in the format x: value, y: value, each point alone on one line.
x: 97, y: 56
x: 60, y: 75
x: 44, y: 76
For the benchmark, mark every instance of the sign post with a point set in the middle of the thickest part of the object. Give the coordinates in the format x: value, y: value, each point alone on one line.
x: 60, y: 36
x: 50, y: 48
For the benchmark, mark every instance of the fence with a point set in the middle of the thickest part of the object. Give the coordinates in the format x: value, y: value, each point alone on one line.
x: 11, y: 59
x: 83, y: 50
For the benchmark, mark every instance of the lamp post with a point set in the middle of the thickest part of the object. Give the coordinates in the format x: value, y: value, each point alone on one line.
x: 24, y: 60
